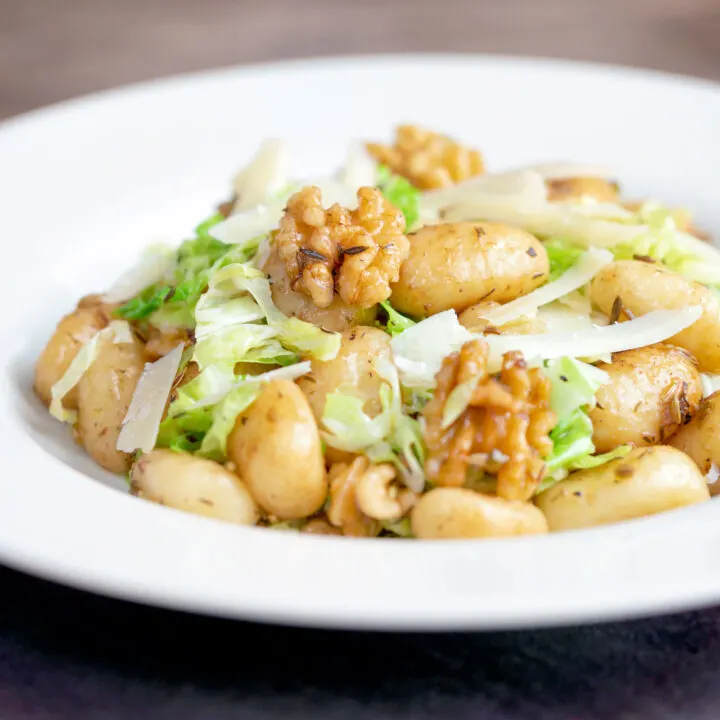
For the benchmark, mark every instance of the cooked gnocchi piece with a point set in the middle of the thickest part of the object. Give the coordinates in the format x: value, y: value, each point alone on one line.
x: 645, y: 482
x: 72, y: 332
x: 453, y: 513
x: 194, y: 485
x: 275, y: 446
x: 104, y: 395
x: 652, y: 392
x: 455, y: 265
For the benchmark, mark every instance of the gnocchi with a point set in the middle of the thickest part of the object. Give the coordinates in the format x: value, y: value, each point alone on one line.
x: 470, y: 262
x: 104, y: 395
x: 72, y: 332
x: 275, y: 446
x: 652, y: 392
x: 450, y: 513
x: 645, y: 482
x: 194, y: 485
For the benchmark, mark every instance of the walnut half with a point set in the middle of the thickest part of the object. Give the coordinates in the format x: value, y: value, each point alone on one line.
x: 503, y: 431
x: 356, y: 253
x: 428, y: 159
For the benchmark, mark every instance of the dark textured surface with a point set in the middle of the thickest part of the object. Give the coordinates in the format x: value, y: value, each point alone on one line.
x: 65, y: 654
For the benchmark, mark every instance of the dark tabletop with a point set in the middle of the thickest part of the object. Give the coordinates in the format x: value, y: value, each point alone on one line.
x: 66, y: 654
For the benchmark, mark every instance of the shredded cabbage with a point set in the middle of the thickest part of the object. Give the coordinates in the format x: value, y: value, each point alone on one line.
x: 660, y: 242
x: 420, y: 350
x: 584, y: 269
x: 573, y: 449
x: 119, y: 332
x: 145, y: 303
x: 184, y: 432
x: 349, y: 427
x: 214, y: 381
x: 392, y: 436
x: 458, y: 400
x: 171, y: 304
x: 572, y: 439
x: 400, y: 528
x: 224, y: 415
x: 140, y: 426
x: 574, y: 384
x: 205, y: 410
x: 239, y: 295
x: 562, y: 255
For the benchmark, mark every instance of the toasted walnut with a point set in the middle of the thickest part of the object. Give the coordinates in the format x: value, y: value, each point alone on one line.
x: 427, y: 159
x: 362, y: 494
x: 378, y: 496
x: 356, y: 253
x: 503, y: 431
x: 343, y: 511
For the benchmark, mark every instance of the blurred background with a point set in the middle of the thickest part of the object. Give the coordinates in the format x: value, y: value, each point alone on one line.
x: 54, y: 49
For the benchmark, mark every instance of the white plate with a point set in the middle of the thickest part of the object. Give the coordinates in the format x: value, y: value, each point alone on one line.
x: 86, y: 184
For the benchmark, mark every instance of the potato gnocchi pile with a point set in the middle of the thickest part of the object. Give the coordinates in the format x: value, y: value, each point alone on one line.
x: 413, y: 347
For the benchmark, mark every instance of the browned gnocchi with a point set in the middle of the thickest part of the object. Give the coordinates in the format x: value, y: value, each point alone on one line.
x: 451, y: 513
x: 194, y: 485
x: 104, y: 395
x: 72, y: 332
x: 275, y: 446
x: 455, y: 265
x: 645, y: 482
x: 652, y: 392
